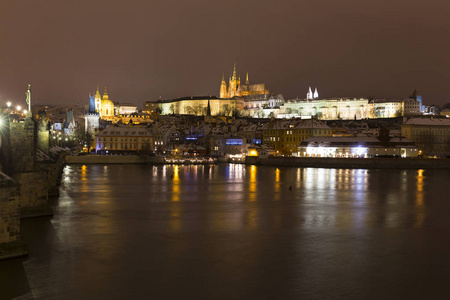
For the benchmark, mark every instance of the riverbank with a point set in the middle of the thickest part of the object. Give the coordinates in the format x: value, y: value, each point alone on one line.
x: 113, y: 159
x: 352, y: 163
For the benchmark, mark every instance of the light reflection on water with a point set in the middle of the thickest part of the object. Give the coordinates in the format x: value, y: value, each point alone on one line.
x: 334, y: 197
x: 228, y: 226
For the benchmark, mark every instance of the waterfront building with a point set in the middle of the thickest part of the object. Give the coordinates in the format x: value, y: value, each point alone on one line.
x: 116, y: 139
x: 166, y: 136
x: 358, y: 146
x: 445, y: 113
x: 236, y: 147
x: 190, y: 150
x: 431, y: 134
x: 261, y: 151
x: 285, y: 136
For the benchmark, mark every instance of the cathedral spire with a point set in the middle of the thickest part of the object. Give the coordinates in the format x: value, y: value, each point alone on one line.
x: 234, y: 72
x: 246, y: 80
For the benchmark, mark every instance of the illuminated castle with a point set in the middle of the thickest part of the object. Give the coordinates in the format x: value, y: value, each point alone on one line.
x: 235, y: 89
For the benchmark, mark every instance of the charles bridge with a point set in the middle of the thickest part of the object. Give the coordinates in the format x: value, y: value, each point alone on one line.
x: 29, y: 175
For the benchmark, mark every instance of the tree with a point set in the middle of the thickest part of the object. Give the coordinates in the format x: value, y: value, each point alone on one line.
x: 188, y: 110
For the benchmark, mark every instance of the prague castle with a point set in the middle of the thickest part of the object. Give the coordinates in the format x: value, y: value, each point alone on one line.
x: 235, y: 89
x: 255, y: 100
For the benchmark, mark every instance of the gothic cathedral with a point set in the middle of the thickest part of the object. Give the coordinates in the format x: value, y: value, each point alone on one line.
x: 235, y: 89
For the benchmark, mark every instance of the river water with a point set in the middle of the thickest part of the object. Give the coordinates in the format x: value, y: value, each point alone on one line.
x: 238, y: 232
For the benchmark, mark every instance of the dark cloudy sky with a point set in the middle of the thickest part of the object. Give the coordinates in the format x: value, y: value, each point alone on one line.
x: 143, y: 50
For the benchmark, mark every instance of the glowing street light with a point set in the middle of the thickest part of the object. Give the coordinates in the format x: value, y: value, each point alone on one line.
x: 18, y: 107
x: 8, y: 104
x: 25, y: 111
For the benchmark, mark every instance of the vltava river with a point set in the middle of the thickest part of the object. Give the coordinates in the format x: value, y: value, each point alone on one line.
x: 238, y: 232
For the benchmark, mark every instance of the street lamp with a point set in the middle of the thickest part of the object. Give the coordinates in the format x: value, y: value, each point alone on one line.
x: 18, y: 107
x: 8, y: 104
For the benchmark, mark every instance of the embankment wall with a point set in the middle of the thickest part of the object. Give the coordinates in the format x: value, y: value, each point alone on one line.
x: 353, y: 163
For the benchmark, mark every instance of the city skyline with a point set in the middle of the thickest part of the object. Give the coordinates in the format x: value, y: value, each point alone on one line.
x: 150, y: 50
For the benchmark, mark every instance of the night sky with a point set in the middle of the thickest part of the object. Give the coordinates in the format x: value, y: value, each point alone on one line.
x: 143, y: 50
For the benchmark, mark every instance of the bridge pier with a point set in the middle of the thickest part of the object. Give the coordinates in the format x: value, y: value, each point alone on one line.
x: 10, y: 244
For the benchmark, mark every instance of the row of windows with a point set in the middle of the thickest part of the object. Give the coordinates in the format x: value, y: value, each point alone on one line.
x: 280, y: 132
x: 288, y: 139
x: 116, y: 140
x: 431, y: 139
x: 116, y: 146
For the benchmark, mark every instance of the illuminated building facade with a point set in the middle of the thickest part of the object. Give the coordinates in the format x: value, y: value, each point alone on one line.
x: 197, y: 106
x: 127, y: 109
x: 359, y: 146
x: 120, y: 139
x: 285, y: 136
x: 349, y: 109
x: 103, y: 105
x: 431, y: 135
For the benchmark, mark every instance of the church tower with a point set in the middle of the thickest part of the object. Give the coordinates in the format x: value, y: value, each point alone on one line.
x: 92, y: 118
x: 98, y: 102
x: 223, y: 88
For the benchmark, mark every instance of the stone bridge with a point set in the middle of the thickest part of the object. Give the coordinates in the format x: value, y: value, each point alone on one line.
x: 28, y: 176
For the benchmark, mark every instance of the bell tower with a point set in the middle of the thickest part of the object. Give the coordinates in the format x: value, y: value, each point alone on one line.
x: 98, y: 101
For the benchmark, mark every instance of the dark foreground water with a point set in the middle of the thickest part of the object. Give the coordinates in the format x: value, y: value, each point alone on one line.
x: 238, y: 232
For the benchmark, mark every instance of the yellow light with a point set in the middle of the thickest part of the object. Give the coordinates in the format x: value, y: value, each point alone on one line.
x: 8, y: 104
x: 253, y: 153
x: 19, y: 107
